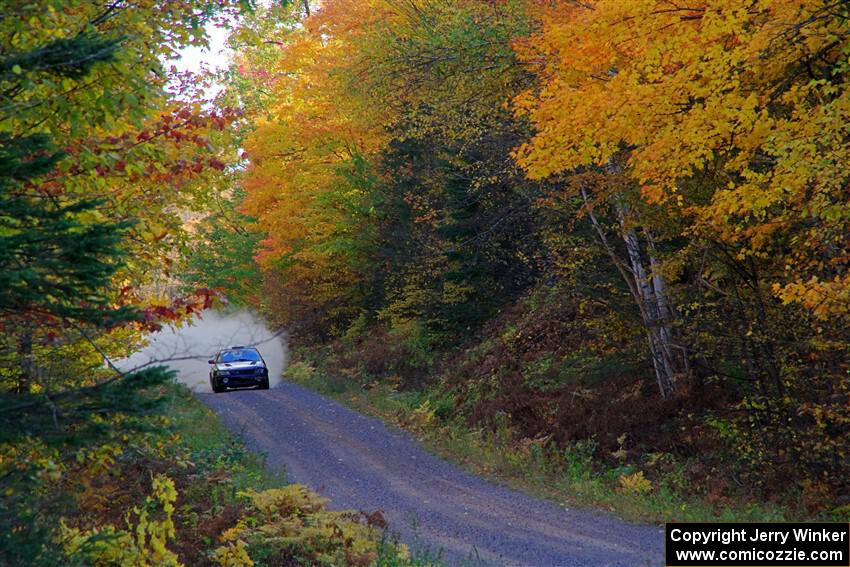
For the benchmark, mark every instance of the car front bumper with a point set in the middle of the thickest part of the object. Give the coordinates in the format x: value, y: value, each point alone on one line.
x: 239, y: 381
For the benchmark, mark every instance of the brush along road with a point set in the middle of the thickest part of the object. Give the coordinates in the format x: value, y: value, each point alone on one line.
x: 361, y: 464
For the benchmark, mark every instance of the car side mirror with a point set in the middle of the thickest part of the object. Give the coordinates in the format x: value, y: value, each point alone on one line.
x: 211, y: 361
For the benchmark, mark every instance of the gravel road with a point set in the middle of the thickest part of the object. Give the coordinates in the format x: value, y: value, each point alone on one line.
x: 361, y: 464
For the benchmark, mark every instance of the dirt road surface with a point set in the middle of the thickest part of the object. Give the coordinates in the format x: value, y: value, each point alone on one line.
x: 361, y: 464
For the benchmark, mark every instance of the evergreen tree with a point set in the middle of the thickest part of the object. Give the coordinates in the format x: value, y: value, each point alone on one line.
x: 53, y: 259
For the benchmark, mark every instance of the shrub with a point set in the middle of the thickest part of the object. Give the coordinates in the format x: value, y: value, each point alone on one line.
x: 635, y: 483
x: 292, y: 524
x: 300, y: 372
x: 140, y: 545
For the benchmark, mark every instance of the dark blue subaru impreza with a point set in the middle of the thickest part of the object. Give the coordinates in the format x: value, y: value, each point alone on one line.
x: 238, y: 367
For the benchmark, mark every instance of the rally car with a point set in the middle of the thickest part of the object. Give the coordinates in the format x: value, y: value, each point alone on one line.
x: 238, y: 367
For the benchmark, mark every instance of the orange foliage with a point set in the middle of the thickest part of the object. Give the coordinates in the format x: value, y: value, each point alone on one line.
x: 751, y: 95
x: 310, y: 130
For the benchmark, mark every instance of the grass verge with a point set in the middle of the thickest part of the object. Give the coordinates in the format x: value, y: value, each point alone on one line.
x: 570, y: 476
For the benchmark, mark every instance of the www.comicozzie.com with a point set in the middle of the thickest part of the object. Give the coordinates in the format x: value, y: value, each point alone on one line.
x: 757, y: 545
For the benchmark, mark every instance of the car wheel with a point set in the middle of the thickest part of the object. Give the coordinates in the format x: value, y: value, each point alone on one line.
x: 264, y: 384
x: 216, y: 388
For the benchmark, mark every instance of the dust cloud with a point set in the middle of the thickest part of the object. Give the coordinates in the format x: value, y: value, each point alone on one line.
x: 187, y: 349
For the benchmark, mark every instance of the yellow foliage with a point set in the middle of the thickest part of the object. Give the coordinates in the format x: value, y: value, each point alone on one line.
x: 424, y: 415
x: 635, y: 483
x: 294, y: 520
x: 823, y: 299
x: 723, y: 89
x: 341, y: 86
x: 300, y: 372
x: 29, y: 455
x: 142, y: 545
x: 308, y: 131
x: 233, y: 554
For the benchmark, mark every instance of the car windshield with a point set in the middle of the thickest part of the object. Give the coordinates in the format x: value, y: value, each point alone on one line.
x: 239, y: 355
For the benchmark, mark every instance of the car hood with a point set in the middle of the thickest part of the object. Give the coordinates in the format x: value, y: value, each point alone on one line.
x: 238, y: 365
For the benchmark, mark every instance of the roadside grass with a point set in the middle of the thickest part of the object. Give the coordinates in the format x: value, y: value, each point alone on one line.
x: 570, y: 477
x: 212, y: 447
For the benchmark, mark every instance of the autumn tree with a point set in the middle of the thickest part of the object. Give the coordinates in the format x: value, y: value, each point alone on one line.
x: 727, y: 120
x: 93, y: 144
x: 352, y: 229
x: 95, y: 163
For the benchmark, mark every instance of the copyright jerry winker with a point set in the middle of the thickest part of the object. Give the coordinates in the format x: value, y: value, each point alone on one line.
x: 757, y: 544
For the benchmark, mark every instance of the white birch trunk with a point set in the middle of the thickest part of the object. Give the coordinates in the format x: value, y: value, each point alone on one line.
x: 653, y: 306
x: 647, y: 287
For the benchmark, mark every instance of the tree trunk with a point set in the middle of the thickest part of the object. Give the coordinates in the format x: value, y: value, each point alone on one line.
x: 650, y: 295
x: 27, y: 366
x: 652, y: 301
x: 648, y: 289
